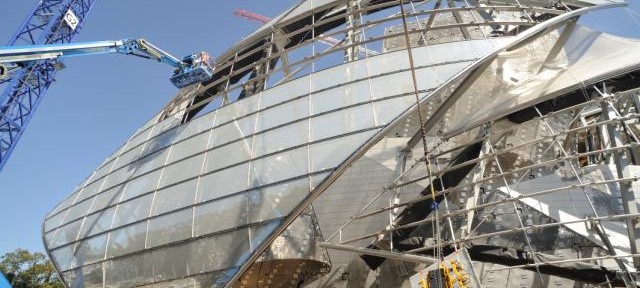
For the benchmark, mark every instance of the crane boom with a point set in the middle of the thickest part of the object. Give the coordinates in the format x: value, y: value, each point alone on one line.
x: 191, y: 69
x: 50, y: 22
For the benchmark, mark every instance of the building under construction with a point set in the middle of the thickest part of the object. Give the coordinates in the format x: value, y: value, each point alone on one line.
x: 380, y: 143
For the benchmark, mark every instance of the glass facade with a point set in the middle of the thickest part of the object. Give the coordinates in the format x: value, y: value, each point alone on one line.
x: 209, y: 185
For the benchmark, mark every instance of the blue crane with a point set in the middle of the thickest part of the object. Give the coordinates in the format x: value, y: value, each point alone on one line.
x: 50, y: 22
x: 31, y: 68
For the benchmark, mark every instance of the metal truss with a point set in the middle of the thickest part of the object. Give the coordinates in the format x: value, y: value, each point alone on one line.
x: 46, y: 24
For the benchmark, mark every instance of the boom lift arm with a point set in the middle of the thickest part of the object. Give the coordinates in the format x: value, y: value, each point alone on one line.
x: 191, y: 69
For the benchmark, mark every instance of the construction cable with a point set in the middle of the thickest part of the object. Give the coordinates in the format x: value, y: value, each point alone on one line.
x: 423, y: 133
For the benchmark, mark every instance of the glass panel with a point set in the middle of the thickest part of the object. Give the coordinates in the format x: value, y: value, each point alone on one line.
x: 118, y: 176
x: 161, y: 141
x: 279, y: 167
x: 329, y: 154
x: 276, y: 201
x: 50, y: 237
x: 67, y: 233
x: 170, y: 228
x: 237, y: 109
x: 260, y: 233
x: 387, y: 110
x: 188, y: 147
x: 150, y: 162
x: 166, y: 124
x: 283, y: 114
x: 138, y: 139
x: 92, y: 276
x: 283, y: 92
x: 340, y: 97
x: 402, y: 84
x: 281, y: 138
x: 345, y: 121
x: 129, y: 271
x: 224, y: 182
x: 127, y: 240
x: 97, y: 223
x: 182, y: 170
x: 171, y: 262
x: 107, y: 198
x: 228, y: 155
x: 63, y: 257
x: 90, y: 190
x: 91, y: 250
x: 79, y: 210
x: 104, y: 170
x: 128, y: 157
x: 141, y: 185
x: 218, y: 252
x: 133, y: 210
x: 63, y: 205
x: 195, y: 126
x: 315, y: 180
x: 219, y: 215
x: 344, y: 73
x: 55, y: 221
x: 231, y: 131
x: 174, y: 197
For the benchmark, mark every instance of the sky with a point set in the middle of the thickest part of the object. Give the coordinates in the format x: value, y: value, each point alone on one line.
x: 97, y: 102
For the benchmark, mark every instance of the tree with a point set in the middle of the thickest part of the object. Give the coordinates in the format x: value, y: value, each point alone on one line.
x: 24, y: 269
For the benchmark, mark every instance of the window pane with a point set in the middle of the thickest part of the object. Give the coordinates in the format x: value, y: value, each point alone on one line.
x: 63, y: 257
x: 133, y: 210
x: 276, y: 201
x: 150, y: 162
x: 92, y: 276
x: 279, y: 167
x: 79, y: 210
x: 130, y: 271
x: 283, y: 114
x: 90, y: 190
x: 171, y: 262
x: 283, y: 92
x: 219, y: 252
x: 341, y: 122
x: 174, y: 197
x: 387, y: 110
x: 97, y: 223
x: 224, y: 182
x: 195, y: 126
x: 231, y: 131
x: 188, y: 147
x: 182, y: 170
x: 340, y: 97
x: 170, y: 228
x: 329, y: 154
x: 91, y: 250
x: 281, y: 138
x: 55, y: 221
x: 107, y: 198
x: 228, y: 155
x: 67, y: 233
x: 141, y: 185
x: 127, y: 240
x: 220, y: 215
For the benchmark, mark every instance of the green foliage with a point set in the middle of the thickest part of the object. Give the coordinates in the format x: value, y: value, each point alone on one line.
x: 24, y: 269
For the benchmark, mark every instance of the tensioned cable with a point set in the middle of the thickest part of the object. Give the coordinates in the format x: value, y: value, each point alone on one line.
x: 423, y: 133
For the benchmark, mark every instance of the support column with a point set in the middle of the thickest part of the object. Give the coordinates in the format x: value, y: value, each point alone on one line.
x: 621, y: 161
